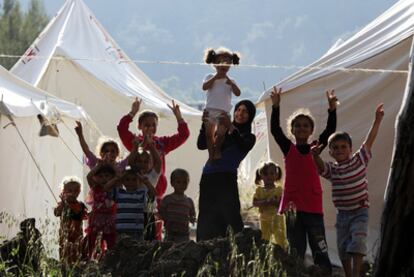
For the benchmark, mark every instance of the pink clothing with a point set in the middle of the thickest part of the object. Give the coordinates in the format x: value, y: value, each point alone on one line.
x: 102, y: 216
x: 163, y: 144
x: 91, y: 160
x: 302, y: 183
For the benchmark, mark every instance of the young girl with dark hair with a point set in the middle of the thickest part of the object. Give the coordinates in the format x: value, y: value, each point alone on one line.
x: 219, y: 88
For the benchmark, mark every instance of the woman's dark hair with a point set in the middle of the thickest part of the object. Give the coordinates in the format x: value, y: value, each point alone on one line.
x: 212, y: 55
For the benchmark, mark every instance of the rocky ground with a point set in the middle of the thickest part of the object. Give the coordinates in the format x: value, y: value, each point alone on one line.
x: 244, y: 254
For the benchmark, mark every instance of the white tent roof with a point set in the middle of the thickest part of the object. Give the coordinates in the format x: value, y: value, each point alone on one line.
x: 76, y: 59
x: 33, y: 166
x: 386, y: 31
x: 21, y: 99
x: 365, y: 70
x: 75, y: 34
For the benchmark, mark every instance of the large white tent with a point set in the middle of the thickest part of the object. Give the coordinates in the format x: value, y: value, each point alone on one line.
x: 366, y: 69
x: 32, y: 166
x: 76, y: 59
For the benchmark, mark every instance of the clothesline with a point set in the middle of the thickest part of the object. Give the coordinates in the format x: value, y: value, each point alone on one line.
x: 269, y: 66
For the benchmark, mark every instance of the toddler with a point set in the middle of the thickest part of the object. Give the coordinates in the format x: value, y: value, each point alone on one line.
x: 177, y: 209
x: 71, y: 212
x: 267, y: 199
x: 219, y: 88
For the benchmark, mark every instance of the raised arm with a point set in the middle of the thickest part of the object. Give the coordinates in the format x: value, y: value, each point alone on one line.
x: 277, y: 132
x: 85, y: 148
x: 176, y: 140
x: 125, y: 135
x: 331, y: 123
x: 372, y: 134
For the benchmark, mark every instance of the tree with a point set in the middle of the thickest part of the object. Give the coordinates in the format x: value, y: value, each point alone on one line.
x: 18, y: 30
x: 396, y: 253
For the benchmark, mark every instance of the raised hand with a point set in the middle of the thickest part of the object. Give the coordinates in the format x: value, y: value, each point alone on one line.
x: 379, y: 112
x: 332, y: 99
x: 78, y: 128
x: 175, y: 108
x: 275, y: 95
x: 135, y: 106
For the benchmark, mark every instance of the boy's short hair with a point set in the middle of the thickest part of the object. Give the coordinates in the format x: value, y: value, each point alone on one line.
x: 145, y: 114
x: 178, y: 172
x: 339, y: 136
x: 106, y: 169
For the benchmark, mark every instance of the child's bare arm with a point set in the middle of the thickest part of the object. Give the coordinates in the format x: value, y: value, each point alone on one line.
x: 372, y: 134
x: 192, y: 213
x: 316, y: 150
x: 209, y: 83
x: 151, y: 190
x: 92, y: 173
x: 82, y: 141
x: 135, y: 107
x: 132, y: 155
x: 116, y: 181
x: 175, y: 108
x: 58, y: 210
x: 155, y: 155
x: 234, y: 88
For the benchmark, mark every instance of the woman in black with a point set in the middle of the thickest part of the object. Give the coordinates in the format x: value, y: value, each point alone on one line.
x: 219, y: 203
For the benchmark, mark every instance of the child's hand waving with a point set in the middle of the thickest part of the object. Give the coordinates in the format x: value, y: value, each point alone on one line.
x: 78, y: 128
x: 275, y: 95
x: 135, y: 106
x: 175, y: 108
x: 332, y: 99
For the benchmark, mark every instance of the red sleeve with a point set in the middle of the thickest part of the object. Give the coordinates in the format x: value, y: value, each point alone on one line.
x: 172, y: 142
x: 123, y: 131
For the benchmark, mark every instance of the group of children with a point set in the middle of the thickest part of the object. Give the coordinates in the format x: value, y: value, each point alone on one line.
x: 294, y: 211
x: 125, y: 195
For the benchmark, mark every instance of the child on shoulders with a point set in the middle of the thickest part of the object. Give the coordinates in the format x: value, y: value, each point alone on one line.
x: 267, y: 199
x: 219, y: 88
x: 71, y: 212
x: 177, y: 209
x: 350, y: 192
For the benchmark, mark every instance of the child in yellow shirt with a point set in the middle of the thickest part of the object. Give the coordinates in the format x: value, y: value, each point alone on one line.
x: 267, y: 198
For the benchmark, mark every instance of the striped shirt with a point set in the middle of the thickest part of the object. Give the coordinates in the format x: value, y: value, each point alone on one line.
x: 130, y: 211
x: 349, y: 181
x: 177, y: 211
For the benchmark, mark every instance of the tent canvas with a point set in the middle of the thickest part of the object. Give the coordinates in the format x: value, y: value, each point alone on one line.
x: 24, y: 192
x: 76, y: 59
x: 385, y: 45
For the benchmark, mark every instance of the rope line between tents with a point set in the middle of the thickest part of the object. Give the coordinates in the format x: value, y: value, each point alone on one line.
x: 31, y: 155
x: 270, y: 66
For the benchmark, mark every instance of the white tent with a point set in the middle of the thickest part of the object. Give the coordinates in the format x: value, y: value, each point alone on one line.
x: 385, y: 43
x: 76, y: 59
x: 32, y: 167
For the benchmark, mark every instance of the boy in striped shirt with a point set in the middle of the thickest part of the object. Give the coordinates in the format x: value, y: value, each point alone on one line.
x: 350, y: 192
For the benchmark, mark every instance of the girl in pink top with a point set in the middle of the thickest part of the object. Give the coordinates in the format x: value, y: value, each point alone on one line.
x: 302, y: 196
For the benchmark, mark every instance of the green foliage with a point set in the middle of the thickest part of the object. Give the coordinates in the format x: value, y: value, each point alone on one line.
x: 18, y: 30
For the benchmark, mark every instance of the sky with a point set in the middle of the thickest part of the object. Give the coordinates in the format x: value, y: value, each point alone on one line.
x: 266, y: 32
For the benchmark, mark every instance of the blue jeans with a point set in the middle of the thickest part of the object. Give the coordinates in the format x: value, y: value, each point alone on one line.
x: 308, y: 226
x: 351, y: 232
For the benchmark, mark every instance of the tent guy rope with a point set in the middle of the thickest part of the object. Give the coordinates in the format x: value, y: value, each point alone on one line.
x: 270, y: 66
